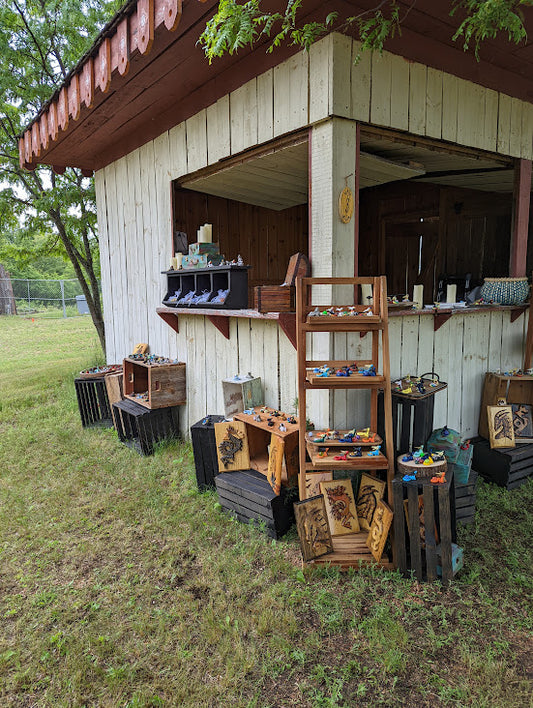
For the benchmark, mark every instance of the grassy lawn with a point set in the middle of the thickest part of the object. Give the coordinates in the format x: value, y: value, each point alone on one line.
x: 121, y: 585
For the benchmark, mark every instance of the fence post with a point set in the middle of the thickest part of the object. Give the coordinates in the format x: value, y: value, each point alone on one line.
x: 62, y: 285
x: 29, y: 298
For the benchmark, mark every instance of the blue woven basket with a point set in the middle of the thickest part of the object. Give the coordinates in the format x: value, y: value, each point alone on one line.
x: 505, y: 291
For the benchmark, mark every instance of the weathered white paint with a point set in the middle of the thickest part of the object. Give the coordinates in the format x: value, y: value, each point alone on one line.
x: 329, y: 91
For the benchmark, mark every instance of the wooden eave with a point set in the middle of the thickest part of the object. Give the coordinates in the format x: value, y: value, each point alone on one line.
x: 146, y: 74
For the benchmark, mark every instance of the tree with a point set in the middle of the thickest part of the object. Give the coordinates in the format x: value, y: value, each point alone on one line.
x: 40, y: 41
x: 237, y: 24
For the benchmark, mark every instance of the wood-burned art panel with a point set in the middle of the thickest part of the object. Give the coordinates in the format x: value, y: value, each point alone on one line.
x: 265, y: 238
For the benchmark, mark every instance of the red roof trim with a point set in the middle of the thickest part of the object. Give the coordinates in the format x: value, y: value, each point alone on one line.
x: 133, y: 29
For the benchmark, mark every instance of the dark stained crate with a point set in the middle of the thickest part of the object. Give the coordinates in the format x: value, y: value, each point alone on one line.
x: 93, y: 402
x: 274, y: 298
x: 465, y: 500
x: 141, y: 428
x: 204, y: 448
x: 410, y: 553
x: 248, y: 497
x: 506, y: 467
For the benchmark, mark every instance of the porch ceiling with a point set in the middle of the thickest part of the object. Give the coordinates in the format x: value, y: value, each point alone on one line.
x: 279, y: 179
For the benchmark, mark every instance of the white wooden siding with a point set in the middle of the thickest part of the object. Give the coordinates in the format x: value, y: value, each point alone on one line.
x: 134, y: 215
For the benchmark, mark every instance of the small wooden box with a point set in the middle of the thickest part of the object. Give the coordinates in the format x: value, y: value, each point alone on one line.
x: 274, y: 298
x: 154, y: 386
x: 241, y: 394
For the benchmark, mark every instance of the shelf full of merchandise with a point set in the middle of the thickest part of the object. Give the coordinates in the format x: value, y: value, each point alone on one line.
x: 348, y: 550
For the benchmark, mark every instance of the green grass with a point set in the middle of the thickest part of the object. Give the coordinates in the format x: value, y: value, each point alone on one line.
x: 121, y: 585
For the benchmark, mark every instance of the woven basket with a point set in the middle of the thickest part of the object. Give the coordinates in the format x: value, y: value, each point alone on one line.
x: 505, y: 291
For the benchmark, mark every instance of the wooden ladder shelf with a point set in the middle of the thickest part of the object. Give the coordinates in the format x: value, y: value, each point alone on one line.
x: 348, y: 550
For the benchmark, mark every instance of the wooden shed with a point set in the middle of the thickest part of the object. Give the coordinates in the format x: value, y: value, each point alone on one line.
x: 435, y: 147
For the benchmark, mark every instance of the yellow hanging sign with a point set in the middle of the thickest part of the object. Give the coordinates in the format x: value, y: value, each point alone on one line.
x: 346, y: 204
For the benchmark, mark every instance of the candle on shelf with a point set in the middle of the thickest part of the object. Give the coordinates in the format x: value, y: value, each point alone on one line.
x: 451, y: 293
x: 366, y: 294
x: 208, y: 231
x: 418, y: 296
x: 199, y: 235
x: 174, y: 263
x: 179, y: 259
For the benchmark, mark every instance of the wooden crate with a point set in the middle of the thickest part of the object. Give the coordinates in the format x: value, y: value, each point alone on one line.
x: 465, y: 500
x: 242, y: 394
x: 515, y: 389
x: 140, y: 428
x: 506, y: 467
x: 274, y: 298
x: 247, y: 496
x: 411, y: 553
x: 115, y: 391
x: 204, y: 448
x: 93, y: 402
x: 154, y: 386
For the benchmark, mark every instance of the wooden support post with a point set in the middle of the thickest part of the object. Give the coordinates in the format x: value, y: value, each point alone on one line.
x: 522, y: 192
x: 356, y: 210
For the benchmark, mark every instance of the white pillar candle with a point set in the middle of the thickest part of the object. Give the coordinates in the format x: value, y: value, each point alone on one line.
x: 179, y: 259
x: 174, y: 263
x: 418, y: 296
x: 366, y: 294
x: 451, y: 293
x: 208, y: 231
x: 199, y: 235
x: 202, y: 235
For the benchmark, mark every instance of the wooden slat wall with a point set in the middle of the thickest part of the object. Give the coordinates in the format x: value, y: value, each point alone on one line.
x: 134, y: 203
x: 387, y: 90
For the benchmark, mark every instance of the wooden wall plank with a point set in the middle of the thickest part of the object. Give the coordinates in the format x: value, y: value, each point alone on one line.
x: 339, y: 84
x: 218, y: 130
x: 454, y: 373
x: 449, y: 107
x: 426, y: 336
x: 360, y: 83
x: 177, y: 140
x: 320, y: 71
x: 409, y: 361
x: 154, y: 281
x: 265, y: 106
x: 526, y: 133
x: 434, y: 103
x: 299, y: 90
x: 105, y: 265
x: 197, y: 141
x: 494, y: 356
x: 291, y: 86
x: 135, y: 236
x: 512, y: 343
x: 399, y: 97
x: 515, y: 138
x: 417, y: 98
x: 504, y: 124
x: 111, y: 316
x: 490, y: 125
x: 474, y: 367
x: 162, y: 243
x: 243, y: 117
x: 380, y: 100
x: 120, y: 260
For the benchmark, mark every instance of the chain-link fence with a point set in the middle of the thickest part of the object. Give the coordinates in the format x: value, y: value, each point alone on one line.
x: 51, y: 298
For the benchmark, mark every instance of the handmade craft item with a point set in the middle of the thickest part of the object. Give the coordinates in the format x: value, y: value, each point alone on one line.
x: 232, y: 446
x: 340, y: 506
x: 371, y: 490
x: 379, y: 529
x: 501, y: 430
x: 522, y: 421
x: 312, y: 526
x: 312, y: 482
